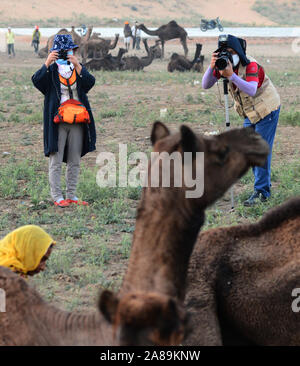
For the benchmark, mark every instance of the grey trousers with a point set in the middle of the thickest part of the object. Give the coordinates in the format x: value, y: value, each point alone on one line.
x: 72, y: 134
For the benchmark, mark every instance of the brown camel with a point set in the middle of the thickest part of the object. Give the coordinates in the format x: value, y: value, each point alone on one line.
x: 76, y: 39
x: 107, y: 63
x: 134, y: 63
x: 166, y: 32
x: 241, y: 280
x: 156, y: 49
x: 43, y: 52
x: 181, y: 63
x: 75, y: 36
x: 97, y: 47
x: 148, y: 308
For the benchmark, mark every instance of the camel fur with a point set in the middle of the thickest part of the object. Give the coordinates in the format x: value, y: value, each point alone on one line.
x: 107, y: 63
x: 241, y: 279
x: 181, y: 63
x: 97, y: 47
x: 134, y: 63
x: 156, y: 49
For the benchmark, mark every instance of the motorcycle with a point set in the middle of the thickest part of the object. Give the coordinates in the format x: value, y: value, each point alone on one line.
x: 211, y: 24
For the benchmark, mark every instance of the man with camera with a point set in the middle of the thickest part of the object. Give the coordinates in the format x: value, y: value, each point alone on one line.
x: 255, y: 99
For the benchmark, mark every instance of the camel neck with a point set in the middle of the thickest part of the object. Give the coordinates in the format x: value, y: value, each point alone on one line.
x: 75, y: 329
x: 163, y: 241
x: 148, y: 31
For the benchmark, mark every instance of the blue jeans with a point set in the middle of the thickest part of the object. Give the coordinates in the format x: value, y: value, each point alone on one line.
x: 266, y: 127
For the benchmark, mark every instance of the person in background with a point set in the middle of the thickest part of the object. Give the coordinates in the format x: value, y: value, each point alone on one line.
x: 61, y: 80
x: 26, y: 250
x: 256, y: 100
x: 36, y: 36
x: 136, y: 35
x: 127, y: 34
x: 10, y: 41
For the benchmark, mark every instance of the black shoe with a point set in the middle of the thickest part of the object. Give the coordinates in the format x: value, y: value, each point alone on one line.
x: 254, y: 199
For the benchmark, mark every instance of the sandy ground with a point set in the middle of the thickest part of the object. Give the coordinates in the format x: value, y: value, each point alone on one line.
x: 229, y: 10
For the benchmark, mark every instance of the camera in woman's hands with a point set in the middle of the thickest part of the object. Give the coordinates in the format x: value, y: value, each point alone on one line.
x: 224, y: 57
x: 63, y: 54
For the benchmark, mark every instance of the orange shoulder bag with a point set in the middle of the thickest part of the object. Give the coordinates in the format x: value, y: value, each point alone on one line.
x: 71, y: 111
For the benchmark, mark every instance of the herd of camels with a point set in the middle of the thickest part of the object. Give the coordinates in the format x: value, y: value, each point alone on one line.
x: 97, y: 50
x: 224, y: 286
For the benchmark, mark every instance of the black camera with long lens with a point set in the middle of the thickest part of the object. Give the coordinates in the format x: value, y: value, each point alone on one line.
x: 63, y: 54
x: 223, y: 56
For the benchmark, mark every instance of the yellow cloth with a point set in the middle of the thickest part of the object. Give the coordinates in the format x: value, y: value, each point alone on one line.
x: 22, y: 249
x: 10, y: 37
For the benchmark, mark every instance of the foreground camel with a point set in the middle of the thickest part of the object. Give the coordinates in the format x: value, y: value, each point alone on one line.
x: 148, y: 310
x: 166, y: 32
x: 181, y: 63
x: 241, y: 280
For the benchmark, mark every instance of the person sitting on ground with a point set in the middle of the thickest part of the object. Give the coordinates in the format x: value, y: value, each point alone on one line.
x: 64, y: 81
x: 26, y: 250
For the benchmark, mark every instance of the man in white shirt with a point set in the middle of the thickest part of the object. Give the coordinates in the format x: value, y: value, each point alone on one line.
x: 136, y: 35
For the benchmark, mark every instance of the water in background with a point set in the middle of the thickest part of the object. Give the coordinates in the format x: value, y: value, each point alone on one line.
x: 192, y: 32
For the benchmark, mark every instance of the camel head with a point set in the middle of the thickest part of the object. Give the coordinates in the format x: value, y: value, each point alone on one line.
x: 226, y: 158
x: 144, y: 319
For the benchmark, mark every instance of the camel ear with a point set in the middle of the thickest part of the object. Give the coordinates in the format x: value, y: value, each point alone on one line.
x: 189, y: 141
x: 159, y: 131
x: 171, y: 328
x: 108, y: 304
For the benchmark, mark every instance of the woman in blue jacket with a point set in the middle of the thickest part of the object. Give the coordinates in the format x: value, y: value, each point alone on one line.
x: 59, y: 80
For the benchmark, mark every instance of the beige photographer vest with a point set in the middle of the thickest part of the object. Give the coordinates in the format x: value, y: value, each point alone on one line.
x: 265, y: 101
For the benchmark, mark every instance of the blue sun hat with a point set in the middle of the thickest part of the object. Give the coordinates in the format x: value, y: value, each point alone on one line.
x: 63, y: 42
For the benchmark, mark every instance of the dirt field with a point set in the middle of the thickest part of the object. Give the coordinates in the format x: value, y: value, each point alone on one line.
x: 94, y: 243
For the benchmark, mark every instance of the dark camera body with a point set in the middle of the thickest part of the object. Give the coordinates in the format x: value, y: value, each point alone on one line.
x: 63, y: 54
x: 223, y: 58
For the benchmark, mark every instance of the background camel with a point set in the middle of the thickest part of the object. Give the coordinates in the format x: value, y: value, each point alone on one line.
x: 107, y: 63
x: 181, y: 63
x: 241, y: 280
x: 156, y: 49
x: 75, y: 36
x: 97, y: 47
x: 134, y: 63
x: 148, y: 309
x: 43, y: 52
x: 166, y: 32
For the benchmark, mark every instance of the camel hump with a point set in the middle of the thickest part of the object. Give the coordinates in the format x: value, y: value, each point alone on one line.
x: 173, y: 23
x: 277, y: 215
x: 16, y: 288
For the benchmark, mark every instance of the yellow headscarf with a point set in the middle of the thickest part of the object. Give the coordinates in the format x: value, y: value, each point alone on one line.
x: 22, y: 249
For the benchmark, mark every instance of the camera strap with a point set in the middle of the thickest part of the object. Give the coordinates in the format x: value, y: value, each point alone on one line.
x: 70, y: 90
x: 68, y: 82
